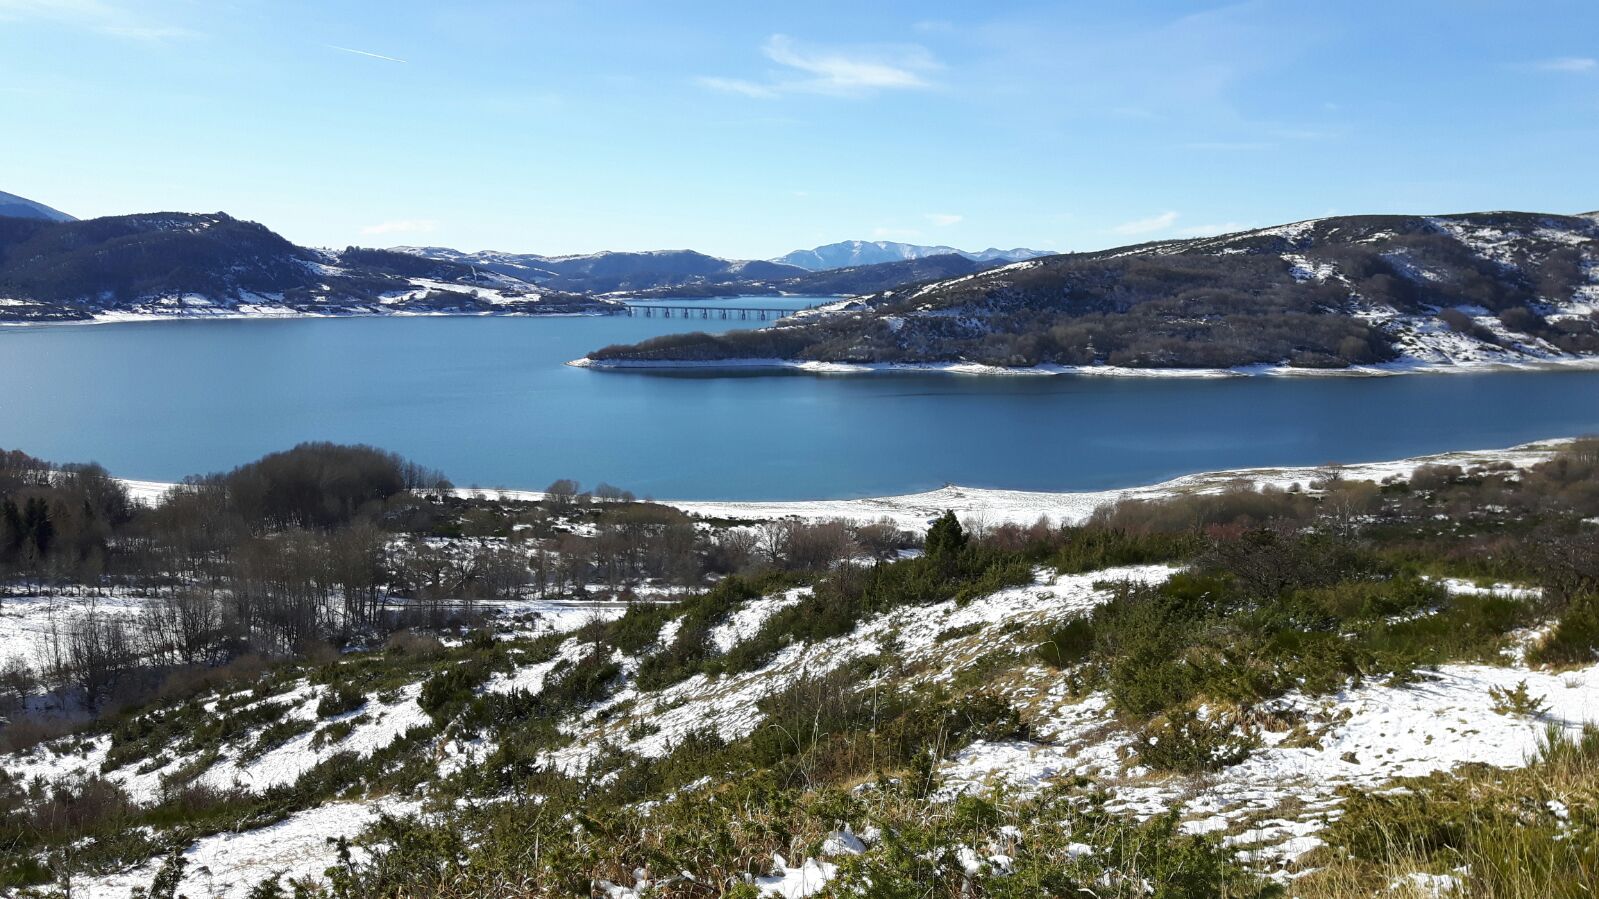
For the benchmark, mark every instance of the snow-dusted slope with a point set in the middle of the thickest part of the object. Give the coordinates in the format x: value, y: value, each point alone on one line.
x: 1364, y: 293
x: 1270, y: 805
x: 185, y: 264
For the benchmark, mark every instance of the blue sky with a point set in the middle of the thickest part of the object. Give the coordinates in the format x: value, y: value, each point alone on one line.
x: 749, y: 129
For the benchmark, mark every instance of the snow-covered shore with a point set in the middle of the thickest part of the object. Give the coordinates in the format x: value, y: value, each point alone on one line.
x: 994, y: 506
x: 1384, y: 369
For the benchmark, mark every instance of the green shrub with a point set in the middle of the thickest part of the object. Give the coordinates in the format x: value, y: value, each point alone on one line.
x: 274, y: 735
x: 335, y: 733
x: 1183, y: 741
x: 446, y: 692
x: 1575, y: 639
x: 1067, y: 644
x: 339, y: 700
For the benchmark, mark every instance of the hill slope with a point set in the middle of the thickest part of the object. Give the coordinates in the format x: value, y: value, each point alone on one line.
x: 174, y: 263
x: 1188, y: 695
x: 13, y: 206
x: 1402, y: 291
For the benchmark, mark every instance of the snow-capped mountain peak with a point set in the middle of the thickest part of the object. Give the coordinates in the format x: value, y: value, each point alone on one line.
x: 847, y: 253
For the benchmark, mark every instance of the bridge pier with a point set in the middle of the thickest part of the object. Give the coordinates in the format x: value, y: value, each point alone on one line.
x: 650, y: 310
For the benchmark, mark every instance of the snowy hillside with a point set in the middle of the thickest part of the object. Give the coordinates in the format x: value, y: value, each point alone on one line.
x: 1170, y: 693
x: 1270, y: 806
x: 186, y: 264
x: 1361, y: 293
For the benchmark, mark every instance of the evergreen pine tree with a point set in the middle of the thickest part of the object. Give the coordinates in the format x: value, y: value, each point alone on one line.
x: 12, y: 530
x: 946, y: 538
x: 37, y: 526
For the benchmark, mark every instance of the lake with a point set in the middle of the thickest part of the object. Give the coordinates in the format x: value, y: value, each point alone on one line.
x: 489, y: 401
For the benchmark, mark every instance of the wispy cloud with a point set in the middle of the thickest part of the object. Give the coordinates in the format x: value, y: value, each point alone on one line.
x: 94, y: 15
x: 364, y: 53
x: 1577, y: 65
x: 736, y: 86
x: 401, y: 226
x: 855, y: 70
x: 944, y: 219
x: 846, y: 70
x: 1151, y: 225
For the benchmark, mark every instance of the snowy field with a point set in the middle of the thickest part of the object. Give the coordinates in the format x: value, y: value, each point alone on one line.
x: 229, y: 865
x: 32, y: 626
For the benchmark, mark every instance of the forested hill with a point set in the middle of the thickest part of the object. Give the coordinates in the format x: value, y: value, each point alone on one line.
x: 1327, y: 293
x: 192, y: 264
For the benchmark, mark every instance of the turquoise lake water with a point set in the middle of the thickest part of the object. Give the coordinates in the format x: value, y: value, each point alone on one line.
x: 489, y: 401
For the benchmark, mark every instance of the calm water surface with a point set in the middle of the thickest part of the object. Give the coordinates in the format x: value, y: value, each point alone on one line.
x: 489, y: 401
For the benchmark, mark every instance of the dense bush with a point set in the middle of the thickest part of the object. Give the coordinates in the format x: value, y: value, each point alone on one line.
x: 321, y: 484
x: 340, y: 700
x: 446, y: 692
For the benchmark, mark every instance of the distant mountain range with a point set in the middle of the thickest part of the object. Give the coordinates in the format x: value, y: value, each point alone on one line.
x: 1390, y: 292
x: 616, y: 272
x: 54, y: 268
x: 841, y: 268
x: 13, y: 206
x: 850, y: 253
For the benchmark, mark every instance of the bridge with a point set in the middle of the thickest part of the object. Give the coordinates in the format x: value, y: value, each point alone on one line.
x: 761, y: 313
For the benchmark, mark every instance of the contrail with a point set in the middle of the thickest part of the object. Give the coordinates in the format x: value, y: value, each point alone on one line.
x: 364, y: 53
